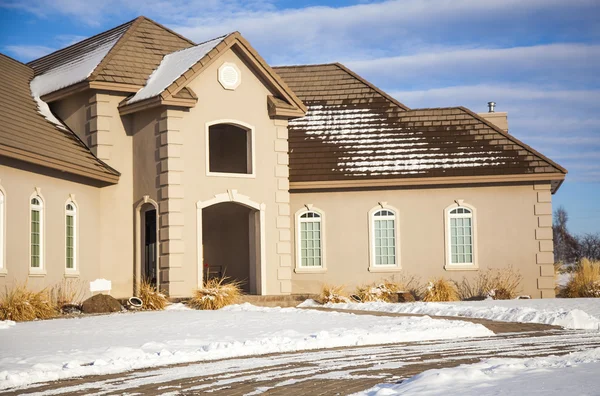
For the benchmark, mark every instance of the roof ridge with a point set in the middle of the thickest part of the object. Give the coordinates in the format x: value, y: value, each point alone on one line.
x: 15, y: 60
x: 89, y: 39
x: 306, y: 65
x: 372, y: 86
x: 167, y: 29
x: 512, y: 138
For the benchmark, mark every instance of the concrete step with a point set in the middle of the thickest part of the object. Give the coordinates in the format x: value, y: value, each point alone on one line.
x: 276, y: 301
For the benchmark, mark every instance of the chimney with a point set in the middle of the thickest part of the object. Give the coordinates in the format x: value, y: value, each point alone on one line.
x: 499, y: 119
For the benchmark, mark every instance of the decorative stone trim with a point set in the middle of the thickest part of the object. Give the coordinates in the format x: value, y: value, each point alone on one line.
x: 282, y: 198
x: 545, y: 246
x: 98, y: 126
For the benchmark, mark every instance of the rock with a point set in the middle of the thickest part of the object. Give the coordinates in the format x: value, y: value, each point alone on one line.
x: 70, y: 309
x: 404, y: 297
x: 101, y: 303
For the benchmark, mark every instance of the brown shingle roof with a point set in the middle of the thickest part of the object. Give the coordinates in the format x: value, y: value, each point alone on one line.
x: 28, y: 136
x: 354, y: 131
x: 137, y: 48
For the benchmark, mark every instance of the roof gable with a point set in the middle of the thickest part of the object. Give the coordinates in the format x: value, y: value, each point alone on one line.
x: 178, y: 69
x: 30, y: 136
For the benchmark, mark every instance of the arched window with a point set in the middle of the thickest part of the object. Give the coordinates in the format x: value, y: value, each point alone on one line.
x: 71, y: 236
x: 37, y: 233
x: 461, y: 237
x: 383, y: 238
x: 309, y: 240
x: 230, y: 149
x: 2, y: 226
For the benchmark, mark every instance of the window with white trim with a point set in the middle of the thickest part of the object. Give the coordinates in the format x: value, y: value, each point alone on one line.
x: 2, y: 225
x: 310, y: 240
x: 230, y: 149
x: 37, y: 233
x: 384, y: 238
x: 70, y: 236
x: 460, y: 230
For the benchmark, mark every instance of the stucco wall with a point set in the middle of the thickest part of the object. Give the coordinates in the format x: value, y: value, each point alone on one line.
x: 506, y: 233
x: 19, y: 185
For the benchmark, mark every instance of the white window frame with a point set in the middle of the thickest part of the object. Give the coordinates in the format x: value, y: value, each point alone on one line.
x: 41, y: 270
x: 299, y: 220
x: 251, y: 148
x: 474, y: 265
x: 3, y: 270
x: 75, y: 214
x: 373, y: 267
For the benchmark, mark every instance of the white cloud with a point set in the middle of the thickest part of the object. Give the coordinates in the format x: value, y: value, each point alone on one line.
x: 28, y: 52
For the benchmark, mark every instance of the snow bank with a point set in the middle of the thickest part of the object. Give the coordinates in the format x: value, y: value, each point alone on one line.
x: 573, y: 374
x: 121, y: 342
x: 5, y: 324
x: 577, y: 313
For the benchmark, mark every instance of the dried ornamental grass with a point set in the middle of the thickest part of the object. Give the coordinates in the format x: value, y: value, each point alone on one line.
x: 67, y: 292
x: 216, y: 294
x: 21, y: 305
x: 498, y: 284
x: 151, y: 298
x: 440, y: 290
x: 333, y: 294
x: 585, y: 281
x: 378, y: 292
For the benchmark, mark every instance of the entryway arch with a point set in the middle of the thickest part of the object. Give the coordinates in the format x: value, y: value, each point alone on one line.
x: 255, y: 222
x: 147, y: 266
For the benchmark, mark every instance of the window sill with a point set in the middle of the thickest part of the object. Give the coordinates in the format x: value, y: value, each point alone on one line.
x: 74, y: 274
x: 233, y: 175
x: 461, y: 267
x: 391, y: 268
x: 304, y: 270
x: 3, y: 272
x: 37, y: 273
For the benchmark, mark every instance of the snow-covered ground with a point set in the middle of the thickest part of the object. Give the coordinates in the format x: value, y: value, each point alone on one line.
x: 572, y: 374
x: 62, y: 348
x: 571, y: 313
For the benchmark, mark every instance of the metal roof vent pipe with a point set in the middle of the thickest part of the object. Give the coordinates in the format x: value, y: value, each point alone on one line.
x: 491, y: 107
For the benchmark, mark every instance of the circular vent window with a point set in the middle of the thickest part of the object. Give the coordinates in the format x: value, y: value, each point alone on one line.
x: 229, y: 75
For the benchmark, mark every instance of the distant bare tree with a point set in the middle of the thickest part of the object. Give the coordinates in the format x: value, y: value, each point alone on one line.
x: 589, y: 246
x: 566, y: 246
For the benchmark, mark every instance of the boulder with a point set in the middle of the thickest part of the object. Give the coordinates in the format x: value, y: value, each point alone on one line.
x: 101, y: 303
x: 404, y: 297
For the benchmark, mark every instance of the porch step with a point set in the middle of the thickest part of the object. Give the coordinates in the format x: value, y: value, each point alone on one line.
x: 277, y: 301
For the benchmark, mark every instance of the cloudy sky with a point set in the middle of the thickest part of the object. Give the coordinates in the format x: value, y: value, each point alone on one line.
x: 538, y: 59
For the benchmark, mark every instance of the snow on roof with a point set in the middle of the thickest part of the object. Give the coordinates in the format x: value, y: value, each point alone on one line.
x: 172, y: 67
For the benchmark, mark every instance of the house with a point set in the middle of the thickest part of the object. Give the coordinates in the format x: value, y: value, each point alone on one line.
x: 138, y: 154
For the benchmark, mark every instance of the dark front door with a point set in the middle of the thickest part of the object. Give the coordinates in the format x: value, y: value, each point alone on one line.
x: 150, y: 247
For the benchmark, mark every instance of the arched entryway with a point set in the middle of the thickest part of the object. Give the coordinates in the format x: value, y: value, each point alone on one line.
x: 146, y: 259
x: 231, y: 240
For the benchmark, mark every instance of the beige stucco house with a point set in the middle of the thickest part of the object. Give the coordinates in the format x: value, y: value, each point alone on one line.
x: 138, y: 154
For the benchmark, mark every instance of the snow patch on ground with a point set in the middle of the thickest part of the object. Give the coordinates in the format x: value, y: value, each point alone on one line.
x: 576, y: 313
x: 574, y: 374
x: 121, y: 342
x: 5, y: 324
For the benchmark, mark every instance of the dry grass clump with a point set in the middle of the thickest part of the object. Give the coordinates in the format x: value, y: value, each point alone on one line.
x: 151, y: 298
x: 333, y: 294
x: 585, y: 281
x: 67, y: 292
x: 440, y: 290
x: 21, y: 304
x: 216, y: 294
x: 378, y: 292
x: 499, y: 284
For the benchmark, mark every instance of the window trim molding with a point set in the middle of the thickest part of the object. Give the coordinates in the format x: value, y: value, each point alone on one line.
x: 249, y: 129
x: 75, y: 270
x: 41, y: 270
x: 448, y: 265
x: 298, y: 267
x: 3, y: 269
x: 371, y: 221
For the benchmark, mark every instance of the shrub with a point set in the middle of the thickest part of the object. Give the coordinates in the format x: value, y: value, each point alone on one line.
x: 67, y: 292
x: 585, y: 281
x: 499, y: 284
x: 382, y: 291
x: 333, y: 294
x: 151, y: 298
x: 216, y: 294
x: 21, y: 304
x: 440, y: 290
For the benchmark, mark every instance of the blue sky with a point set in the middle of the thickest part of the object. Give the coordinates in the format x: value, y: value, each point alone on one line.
x: 538, y: 59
